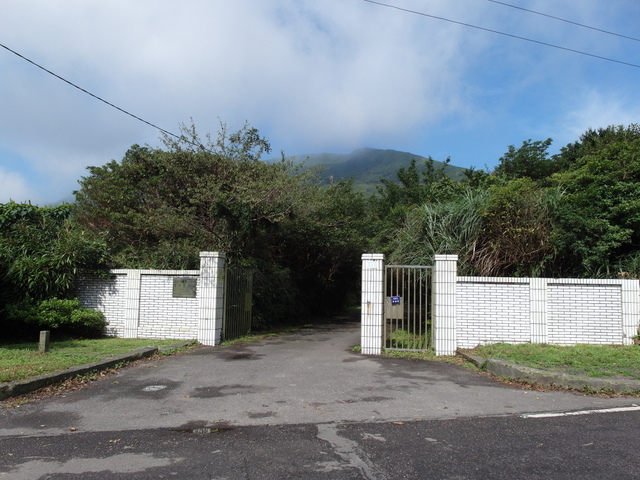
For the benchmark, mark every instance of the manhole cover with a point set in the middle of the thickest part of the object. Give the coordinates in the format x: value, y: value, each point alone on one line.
x: 154, y: 388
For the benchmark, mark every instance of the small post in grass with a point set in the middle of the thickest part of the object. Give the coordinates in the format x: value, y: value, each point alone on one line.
x: 43, y: 347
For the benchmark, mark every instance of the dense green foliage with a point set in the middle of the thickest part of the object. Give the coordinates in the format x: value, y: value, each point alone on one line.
x: 158, y: 208
x: 530, y: 160
x: 599, y: 215
x: 41, y: 252
x: 576, y: 213
x: 64, y: 315
x: 441, y: 227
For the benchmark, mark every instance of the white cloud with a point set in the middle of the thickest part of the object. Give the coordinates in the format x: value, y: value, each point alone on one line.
x: 594, y: 109
x: 322, y: 71
x: 14, y: 187
x: 310, y: 75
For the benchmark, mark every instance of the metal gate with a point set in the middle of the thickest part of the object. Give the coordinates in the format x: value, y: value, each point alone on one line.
x: 407, y: 309
x: 237, y: 302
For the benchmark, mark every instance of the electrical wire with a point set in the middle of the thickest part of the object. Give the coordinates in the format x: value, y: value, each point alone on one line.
x: 566, y: 21
x: 504, y: 34
x: 166, y: 132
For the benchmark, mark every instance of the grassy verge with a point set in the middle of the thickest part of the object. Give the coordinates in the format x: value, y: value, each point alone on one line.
x: 590, y: 360
x: 21, y: 361
x: 428, y: 355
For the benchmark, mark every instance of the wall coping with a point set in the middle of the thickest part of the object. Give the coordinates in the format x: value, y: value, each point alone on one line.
x: 372, y: 256
x: 549, y: 281
x: 125, y: 271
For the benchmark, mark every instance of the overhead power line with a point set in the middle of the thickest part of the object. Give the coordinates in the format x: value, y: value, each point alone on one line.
x: 566, y: 21
x: 167, y: 132
x: 504, y: 34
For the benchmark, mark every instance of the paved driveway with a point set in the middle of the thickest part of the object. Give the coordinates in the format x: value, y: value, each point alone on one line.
x: 311, y: 376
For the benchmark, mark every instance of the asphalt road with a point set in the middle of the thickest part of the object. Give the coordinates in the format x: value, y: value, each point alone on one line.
x: 305, y: 405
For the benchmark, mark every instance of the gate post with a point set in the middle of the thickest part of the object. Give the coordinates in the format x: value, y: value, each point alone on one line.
x: 443, y: 318
x: 211, y: 297
x: 371, y: 313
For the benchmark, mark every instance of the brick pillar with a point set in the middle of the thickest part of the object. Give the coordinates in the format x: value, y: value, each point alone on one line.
x: 443, y: 318
x: 211, y: 297
x: 132, y: 304
x: 372, y: 302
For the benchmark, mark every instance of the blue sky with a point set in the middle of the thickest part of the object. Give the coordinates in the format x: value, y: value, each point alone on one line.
x: 312, y: 76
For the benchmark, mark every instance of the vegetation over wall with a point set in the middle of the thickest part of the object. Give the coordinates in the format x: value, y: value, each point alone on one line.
x: 576, y: 213
x: 41, y: 252
x: 158, y: 208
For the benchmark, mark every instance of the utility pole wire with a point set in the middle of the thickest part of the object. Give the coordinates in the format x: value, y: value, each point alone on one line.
x: 166, y: 132
x: 504, y: 34
x: 566, y: 21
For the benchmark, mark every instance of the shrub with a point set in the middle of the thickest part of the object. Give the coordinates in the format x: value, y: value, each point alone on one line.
x: 63, y: 315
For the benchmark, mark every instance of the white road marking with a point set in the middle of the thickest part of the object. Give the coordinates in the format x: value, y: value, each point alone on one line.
x: 581, y: 412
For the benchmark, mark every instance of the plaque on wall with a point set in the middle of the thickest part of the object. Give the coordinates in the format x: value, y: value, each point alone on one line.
x: 184, y: 287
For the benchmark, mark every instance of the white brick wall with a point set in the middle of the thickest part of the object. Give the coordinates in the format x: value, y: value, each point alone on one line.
x: 140, y: 303
x: 581, y: 313
x: 470, y: 311
x: 491, y: 312
x: 108, y: 296
x: 542, y: 310
x: 161, y: 315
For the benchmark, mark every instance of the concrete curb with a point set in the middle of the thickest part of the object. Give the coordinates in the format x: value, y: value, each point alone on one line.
x: 176, y: 346
x: 505, y: 369
x: 477, y: 361
x: 29, y: 385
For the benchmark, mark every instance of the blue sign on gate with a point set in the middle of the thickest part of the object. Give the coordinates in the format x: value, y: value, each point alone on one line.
x: 395, y: 300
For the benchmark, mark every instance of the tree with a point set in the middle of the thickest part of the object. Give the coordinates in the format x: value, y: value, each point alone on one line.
x: 42, y: 251
x: 516, y: 236
x: 161, y: 207
x: 158, y: 208
x: 530, y: 160
x: 394, y: 201
x: 592, y: 140
x: 415, y: 188
x: 599, y: 213
x: 449, y: 227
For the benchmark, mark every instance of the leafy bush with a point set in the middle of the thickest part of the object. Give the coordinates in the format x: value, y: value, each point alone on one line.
x: 158, y: 208
x: 42, y: 250
x: 63, y: 315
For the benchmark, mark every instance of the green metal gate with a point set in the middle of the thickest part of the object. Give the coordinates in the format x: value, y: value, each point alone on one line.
x: 237, y: 302
x: 407, y: 308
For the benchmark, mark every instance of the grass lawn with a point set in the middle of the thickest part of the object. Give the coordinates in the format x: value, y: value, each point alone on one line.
x: 21, y: 361
x: 590, y: 360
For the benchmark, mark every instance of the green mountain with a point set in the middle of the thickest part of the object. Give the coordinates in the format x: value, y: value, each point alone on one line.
x: 369, y: 165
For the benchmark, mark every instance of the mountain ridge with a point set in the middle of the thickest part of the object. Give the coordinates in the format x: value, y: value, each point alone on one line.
x: 368, y: 165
